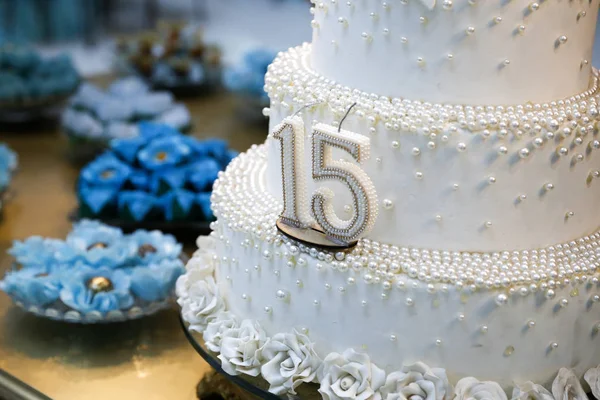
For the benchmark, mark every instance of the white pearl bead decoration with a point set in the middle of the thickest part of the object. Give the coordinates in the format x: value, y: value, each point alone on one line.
x: 243, y: 206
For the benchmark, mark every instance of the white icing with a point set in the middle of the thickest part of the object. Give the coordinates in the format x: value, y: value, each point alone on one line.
x: 506, y: 335
x: 492, y: 196
x: 474, y: 52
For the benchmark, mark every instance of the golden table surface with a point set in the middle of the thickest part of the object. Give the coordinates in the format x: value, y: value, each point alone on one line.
x: 145, y: 359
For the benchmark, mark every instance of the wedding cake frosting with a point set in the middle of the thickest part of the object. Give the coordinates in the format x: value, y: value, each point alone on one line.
x: 448, y: 153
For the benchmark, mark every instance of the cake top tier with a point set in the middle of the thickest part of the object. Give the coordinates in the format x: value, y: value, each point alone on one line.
x: 477, y: 52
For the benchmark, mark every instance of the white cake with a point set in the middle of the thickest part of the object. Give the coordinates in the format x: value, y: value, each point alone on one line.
x: 474, y: 206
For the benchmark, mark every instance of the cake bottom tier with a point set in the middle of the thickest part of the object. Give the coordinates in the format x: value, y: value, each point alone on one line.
x: 511, y: 334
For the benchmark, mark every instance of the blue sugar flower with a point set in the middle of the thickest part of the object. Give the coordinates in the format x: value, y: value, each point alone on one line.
x: 164, y: 180
x: 32, y: 286
x: 210, y: 147
x: 80, y: 123
x: 164, y: 152
x: 100, y: 245
x: 150, y: 130
x: 259, y: 60
x: 128, y: 87
x: 139, y: 179
x: 97, y: 199
x: 153, y: 104
x: 203, y: 202
x: 115, y: 109
x: 202, y: 174
x: 127, y: 148
x: 88, y: 96
x: 106, y: 170
x: 177, y: 204
x: 157, y: 281
x: 5, y: 178
x: 121, y: 130
x: 136, y: 205
x: 155, y: 246
x: 196, y: 74
x: 178, y: 117
x: 101, y: 289
x: 39, y: 252
x: 8, y: 158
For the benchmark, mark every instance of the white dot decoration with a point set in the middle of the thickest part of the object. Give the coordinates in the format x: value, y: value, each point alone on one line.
x: 470, y: 30
x: 501, y: 299
x: 388, y: 204
x: 282, y: 294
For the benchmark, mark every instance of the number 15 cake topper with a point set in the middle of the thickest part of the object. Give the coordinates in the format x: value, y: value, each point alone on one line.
x: 315, y: 221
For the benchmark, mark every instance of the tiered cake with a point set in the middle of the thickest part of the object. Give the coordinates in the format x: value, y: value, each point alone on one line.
x: 443, y: 159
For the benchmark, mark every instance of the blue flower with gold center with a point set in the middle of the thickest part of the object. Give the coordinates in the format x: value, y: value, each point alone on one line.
x: 100, y: 245
x: 164, y: 152
x: 91, y: 289
x: 107, y: 170
x: 34, y: 286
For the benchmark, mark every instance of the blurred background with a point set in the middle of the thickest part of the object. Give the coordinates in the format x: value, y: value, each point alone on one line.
x: 84, y: 84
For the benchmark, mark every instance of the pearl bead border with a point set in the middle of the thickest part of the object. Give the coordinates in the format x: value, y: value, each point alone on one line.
x: 241, y: 202
x: 291, y: 83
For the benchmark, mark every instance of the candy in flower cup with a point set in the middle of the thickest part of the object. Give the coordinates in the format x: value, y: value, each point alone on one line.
x: 98, y: 274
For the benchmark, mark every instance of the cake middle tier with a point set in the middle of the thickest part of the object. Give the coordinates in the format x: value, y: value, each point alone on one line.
x: 457, y: 178
x: 459, y: 51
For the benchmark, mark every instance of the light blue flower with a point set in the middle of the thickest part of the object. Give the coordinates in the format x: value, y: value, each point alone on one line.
x: 249, y: 77
x: 33, y: 286
x: 153, y: 104
x: 88, y: 96
x: 155, y: 246
x: 110, y: 294
x: 8, y: 158
x: 128, y: 87
x: 106, y: 170
x: 164, y: 152
x: 39, y: 252
x: 8, y: 163
x: 157, y: 281
x: 114, y: 109
x: 100, y: 245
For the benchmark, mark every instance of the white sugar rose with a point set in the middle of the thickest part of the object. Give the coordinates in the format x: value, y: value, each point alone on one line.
x: 350, y: 375
x: 201, y: 303
x: 241, y: 349
x: 472, y: 389
x: 592, y: 377
x: 417, y: 382
x: 566, y: 386
x: 291, y: 360
x: 206, y: 244
x: 213, y: 334
x: 530, y: 391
